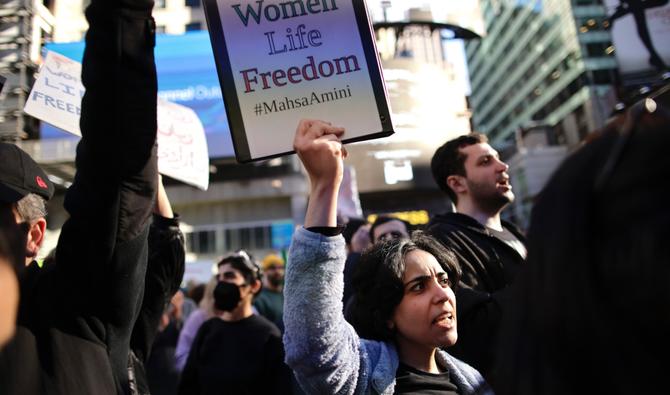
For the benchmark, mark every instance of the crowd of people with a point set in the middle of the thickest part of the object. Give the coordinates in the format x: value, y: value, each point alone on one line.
x: 468, y: 304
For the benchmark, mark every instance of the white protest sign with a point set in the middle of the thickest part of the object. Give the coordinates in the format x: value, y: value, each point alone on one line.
x: 56, y: 95
x: 279, y: 61
x: 182, y: 146
x: 348, y: 200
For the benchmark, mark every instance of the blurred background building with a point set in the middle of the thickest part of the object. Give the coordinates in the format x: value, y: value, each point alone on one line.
x: 548, y: 61
x: 256, y: 206
x: 24, y: 26
x: 545, y: 68
x: 548, y: 72
x: 535, y: 75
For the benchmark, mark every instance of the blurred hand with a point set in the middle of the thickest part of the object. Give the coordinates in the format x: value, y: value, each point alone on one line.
x: 361, y: 239
x: 177, y: 303
x: 9, y: 301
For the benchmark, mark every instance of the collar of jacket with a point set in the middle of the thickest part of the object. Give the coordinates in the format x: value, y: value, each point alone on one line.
x: 383, y: 373
x: 472, y: 224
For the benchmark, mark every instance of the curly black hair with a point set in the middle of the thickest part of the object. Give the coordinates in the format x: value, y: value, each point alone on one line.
x: 378, y: 285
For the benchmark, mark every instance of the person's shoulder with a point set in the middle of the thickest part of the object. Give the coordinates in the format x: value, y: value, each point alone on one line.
x: 445, y: 357
x: 466, y: 377
x: 262, y: 296
x: 443, y: 226
x: 39, y: 286
x: 516, y: 231
x: 451, y: 220
x: 211, y: 323
x: 380, y: 362
x: 264, y: 325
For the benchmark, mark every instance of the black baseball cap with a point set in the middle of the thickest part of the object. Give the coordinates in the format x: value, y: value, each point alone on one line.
x: 21, y: 175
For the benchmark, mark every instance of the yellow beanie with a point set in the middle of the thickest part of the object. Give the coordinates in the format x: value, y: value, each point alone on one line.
x: 272, y: 260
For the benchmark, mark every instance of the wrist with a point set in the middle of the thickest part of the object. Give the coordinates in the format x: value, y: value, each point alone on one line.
x: 322, y: 207
x: 324, y: 190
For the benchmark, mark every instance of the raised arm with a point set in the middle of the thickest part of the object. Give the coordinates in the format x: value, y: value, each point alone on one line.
x: 321, y: 347
x: 102, y: 251
x: 321, y: 152
x: 165, y: 271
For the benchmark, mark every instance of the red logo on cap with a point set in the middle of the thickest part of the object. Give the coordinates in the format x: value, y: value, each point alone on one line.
x: 41, y: 183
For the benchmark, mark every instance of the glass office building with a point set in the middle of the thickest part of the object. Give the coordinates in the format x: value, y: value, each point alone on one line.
x: 542, y: 62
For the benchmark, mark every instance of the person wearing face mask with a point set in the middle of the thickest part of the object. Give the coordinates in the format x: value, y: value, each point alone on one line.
x: 237, y: 351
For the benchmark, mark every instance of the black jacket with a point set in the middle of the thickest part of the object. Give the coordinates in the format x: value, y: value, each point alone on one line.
x: 489, y: 266
x: 165, y: 271
x: 240, y: 357
x: 75, y: 319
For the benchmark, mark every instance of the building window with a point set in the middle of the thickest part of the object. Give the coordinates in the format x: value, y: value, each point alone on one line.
x: 160, y: 29
x: 192, y: 3
x: 223, y: 240
x: 596, y: 49
x: 193, y: 26
x: 160, y: 4
x: 202, y: 242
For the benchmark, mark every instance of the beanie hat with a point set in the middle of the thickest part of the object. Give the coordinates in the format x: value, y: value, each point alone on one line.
x: 272, y: 260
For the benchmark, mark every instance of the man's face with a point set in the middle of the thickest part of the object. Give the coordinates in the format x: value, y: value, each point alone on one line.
x: 390, y: 230
x: 231, y: 275
x: 274, y: 275
x: 17, y: 233
x: 486, y: 178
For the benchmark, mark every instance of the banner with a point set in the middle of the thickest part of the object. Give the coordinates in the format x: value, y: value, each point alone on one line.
x: 280, y: 61
x: 57, y: 92
x: 348, y: 199
x: 182, y: 149
x: 640, y: 32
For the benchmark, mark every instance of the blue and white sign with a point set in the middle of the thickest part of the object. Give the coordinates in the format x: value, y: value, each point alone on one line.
x: 186, y: 76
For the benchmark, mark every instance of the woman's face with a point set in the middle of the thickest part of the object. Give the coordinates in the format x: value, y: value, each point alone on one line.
x: 426, y: 315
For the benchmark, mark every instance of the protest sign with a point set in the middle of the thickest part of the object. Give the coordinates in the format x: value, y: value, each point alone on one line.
x: 280, y: 61
x: 348, y: 199
x: 56, y: 95
x: 182, y: 147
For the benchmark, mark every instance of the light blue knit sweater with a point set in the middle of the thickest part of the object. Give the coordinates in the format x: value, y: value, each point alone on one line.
x: 323, y: 350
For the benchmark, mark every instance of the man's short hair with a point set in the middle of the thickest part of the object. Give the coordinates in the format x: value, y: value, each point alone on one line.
x: 449, y: 160
x: 32, y: 207
x: 382, y: 219
x: 242, y: 262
